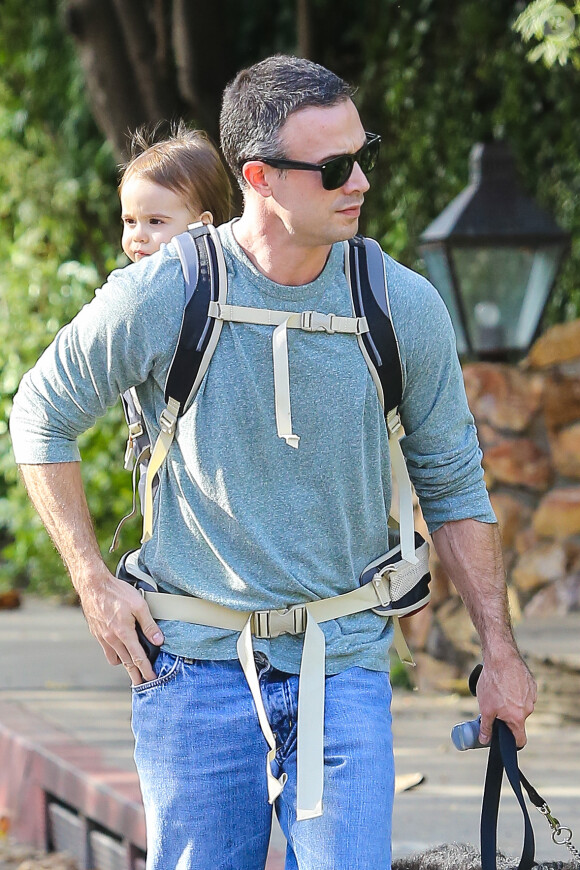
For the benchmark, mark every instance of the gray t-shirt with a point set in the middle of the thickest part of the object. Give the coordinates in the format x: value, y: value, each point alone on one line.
x: 241, y: 518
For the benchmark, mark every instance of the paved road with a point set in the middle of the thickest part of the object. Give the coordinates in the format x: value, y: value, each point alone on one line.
x: 54, y: 671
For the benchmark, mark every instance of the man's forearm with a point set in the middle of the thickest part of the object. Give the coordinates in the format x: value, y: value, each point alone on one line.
x: 56, y: 490
x: 111, y: 607
x: 471, y: 554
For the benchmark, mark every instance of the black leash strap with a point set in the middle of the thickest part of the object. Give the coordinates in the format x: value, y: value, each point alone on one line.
x: 503, y: 756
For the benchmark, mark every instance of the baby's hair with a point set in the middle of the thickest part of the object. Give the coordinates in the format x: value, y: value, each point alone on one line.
x: 185, y: 162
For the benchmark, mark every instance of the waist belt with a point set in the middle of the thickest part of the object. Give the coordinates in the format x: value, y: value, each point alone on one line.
x: 395, y: 588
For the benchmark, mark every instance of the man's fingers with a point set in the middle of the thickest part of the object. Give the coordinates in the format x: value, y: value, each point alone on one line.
x: 485, y: 729
x: 149, y: 628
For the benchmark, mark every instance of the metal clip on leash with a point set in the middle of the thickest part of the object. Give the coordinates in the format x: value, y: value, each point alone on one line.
x: 561, y: 835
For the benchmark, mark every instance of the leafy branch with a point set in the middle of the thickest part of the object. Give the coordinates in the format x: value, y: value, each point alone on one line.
x: 556, y: 27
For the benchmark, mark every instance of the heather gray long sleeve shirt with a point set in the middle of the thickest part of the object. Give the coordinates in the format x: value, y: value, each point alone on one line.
x: 241, y: 518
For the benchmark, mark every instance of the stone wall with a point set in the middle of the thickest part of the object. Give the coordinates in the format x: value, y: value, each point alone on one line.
x: 528, y: 420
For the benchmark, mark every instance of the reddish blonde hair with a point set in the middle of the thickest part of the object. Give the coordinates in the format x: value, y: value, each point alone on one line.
x: 187, y: 163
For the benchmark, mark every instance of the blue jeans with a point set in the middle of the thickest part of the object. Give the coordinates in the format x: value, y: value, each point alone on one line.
x: 201, y: 758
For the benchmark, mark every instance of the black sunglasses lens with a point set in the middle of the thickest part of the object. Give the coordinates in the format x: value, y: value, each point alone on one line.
x: 369, y: 155
x: 337, y: 171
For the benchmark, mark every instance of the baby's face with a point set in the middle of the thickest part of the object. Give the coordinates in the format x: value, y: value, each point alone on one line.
x: 151, y: 216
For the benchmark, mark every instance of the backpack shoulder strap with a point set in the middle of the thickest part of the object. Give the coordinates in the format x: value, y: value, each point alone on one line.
x: 204, y: 272
x: 365, y: 269
x: 364, y: 266
x: 205, y: 275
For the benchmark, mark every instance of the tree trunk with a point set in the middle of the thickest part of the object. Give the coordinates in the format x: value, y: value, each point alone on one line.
x: 113, y: 90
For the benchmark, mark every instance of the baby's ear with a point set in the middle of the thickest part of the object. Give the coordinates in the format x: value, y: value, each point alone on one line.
x: 206, y: 217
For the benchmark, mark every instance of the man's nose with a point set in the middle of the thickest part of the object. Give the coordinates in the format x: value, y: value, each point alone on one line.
x: 357, y: 180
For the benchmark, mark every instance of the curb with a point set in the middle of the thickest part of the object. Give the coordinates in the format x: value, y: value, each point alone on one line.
x: 58, y: 793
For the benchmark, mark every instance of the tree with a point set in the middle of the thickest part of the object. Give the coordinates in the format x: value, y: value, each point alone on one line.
x: 433, y: 77
x: 153, y: 60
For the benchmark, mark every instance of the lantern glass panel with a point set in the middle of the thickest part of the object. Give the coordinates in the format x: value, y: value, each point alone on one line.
x: 438, y: 268
x: 504, y: 290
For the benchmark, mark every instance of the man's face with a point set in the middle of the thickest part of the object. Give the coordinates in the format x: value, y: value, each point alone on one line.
x: 312, y: 215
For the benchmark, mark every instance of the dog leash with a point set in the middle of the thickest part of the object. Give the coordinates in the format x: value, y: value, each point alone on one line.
x: 503, y: 758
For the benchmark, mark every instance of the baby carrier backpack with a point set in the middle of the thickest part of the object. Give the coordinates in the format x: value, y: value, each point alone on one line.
x: 394, y: 584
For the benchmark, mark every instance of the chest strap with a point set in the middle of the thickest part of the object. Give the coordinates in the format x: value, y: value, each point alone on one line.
x: 389, y: 585
x: 309, y: 321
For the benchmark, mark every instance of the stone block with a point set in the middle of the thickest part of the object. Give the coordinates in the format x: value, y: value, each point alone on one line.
x: 502, y: 396
x: 455, y: 623
x: 566, y: 451
x: 525, y: 540
x: 433, y: 675
x: 536, y: 567
x: 559, y: 598
x: 512, y: 515
x: 417, y: 628
x: 558, y: 514
x: 561, y: 405
x: 518, y: 462
x: 558, y: 345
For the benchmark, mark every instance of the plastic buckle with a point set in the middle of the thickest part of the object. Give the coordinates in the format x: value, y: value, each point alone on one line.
x: 314, y: 321
x: 167, y: 421
x: 393, y: 423
x: 272, y: 623
x: 382, y: 587
x: 135, y: 430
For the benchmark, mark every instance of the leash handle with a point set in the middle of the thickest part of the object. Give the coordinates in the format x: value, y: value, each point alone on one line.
x: 503, y: 757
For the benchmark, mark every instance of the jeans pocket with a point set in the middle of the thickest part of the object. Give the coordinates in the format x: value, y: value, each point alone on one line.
x: 166, y: 668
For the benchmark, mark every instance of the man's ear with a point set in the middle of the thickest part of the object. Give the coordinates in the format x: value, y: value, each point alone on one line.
x: 254, y: 172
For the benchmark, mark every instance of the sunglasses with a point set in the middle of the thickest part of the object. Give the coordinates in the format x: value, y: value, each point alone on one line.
x: 336, y: 171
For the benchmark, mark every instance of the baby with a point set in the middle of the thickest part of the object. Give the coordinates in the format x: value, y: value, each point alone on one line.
x: 168, y: 185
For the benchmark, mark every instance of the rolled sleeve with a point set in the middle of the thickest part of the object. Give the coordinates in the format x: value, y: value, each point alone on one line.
x: 116, y: 341
x: 440, y: 444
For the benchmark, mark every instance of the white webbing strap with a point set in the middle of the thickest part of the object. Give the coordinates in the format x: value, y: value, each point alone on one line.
x: 282, y: 385
x: 399, y: 466
x: 391, y: 582
x: 310, y: 728
x: 400, y: 643
x: 309, y: 321
x: 167, y: 422
x: 247, y: 661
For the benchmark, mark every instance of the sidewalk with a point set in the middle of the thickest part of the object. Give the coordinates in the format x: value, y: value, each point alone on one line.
x: 67, y: 776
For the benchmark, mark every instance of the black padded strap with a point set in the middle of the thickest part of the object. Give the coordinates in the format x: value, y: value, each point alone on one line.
x: 380, y: 342
x: 196, y: 325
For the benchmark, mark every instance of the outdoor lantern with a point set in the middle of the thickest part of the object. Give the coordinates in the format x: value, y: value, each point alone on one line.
x: 494, y: 255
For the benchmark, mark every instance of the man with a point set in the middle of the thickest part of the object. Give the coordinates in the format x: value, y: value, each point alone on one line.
x: 254, y: 516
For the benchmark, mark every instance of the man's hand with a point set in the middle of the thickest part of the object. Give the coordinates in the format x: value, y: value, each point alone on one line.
x: 505, y: 690
x: 112, y: 608
x: 470, y: 552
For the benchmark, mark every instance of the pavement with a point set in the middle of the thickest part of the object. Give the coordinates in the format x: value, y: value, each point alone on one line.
x: 67, y: 777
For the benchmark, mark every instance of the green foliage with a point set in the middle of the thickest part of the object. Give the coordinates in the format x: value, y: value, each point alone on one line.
x: 436, y: 79
x: 58, y: 208
x: 555, y: 26
x: 433, y: 77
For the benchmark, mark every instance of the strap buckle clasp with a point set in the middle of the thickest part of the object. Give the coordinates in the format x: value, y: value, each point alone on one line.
x: 314, y: 321
x: 272, y: 623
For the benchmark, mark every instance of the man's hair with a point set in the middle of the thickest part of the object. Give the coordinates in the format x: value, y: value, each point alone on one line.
x: 185, y: 162
x: 258, y: 102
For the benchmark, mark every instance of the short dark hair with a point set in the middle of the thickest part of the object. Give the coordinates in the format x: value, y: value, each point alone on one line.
x: 258, y: 102
x: 185, y: 162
